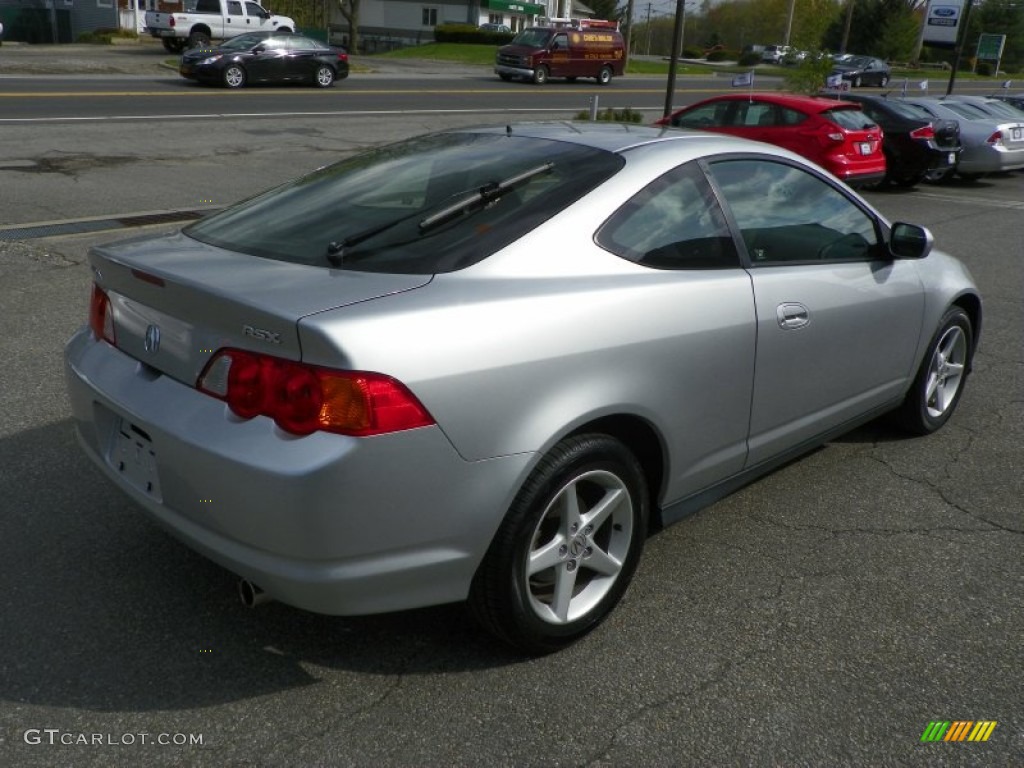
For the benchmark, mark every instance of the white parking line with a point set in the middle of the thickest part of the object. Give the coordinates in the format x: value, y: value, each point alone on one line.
x: 1014, y: 204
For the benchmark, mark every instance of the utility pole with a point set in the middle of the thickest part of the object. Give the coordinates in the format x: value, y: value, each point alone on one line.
x: 647, y: 48
x: 789, y: 22
x: 847, y: 24
x: 960, y: 40
x: 673, y: 64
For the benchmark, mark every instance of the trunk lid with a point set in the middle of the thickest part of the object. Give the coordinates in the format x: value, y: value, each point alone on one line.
x: 947, y: 133
x: 176, y: 301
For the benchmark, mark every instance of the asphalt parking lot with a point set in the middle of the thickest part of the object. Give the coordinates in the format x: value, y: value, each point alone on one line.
x: 824, y: 615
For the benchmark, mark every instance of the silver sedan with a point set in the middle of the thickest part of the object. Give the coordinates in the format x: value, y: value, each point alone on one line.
x: 481, y: 365
x: 991, y: 143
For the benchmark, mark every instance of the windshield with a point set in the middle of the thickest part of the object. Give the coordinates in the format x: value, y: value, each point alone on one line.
x: 533, y: 37
x: 432, y: 204
x: 849, y: 117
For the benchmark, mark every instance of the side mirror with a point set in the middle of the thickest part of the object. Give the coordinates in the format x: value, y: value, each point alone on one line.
x: 909, y: 241
x: 259, y: 48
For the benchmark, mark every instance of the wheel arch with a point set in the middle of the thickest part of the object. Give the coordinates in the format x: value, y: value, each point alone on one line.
x: 201, y: 28
x: 644, y: 442
x: 971, y: 304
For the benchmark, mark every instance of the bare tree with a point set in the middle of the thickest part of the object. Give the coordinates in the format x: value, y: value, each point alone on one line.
x: 350, y: 12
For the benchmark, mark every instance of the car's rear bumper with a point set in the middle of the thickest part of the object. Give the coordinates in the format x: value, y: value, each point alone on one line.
x: 990, y: 159
x: 327, y: 523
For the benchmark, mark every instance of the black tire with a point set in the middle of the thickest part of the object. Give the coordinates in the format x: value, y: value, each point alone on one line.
x: 198, y: 39
x: 571, y: 79
x: 324, y: 76
x: 856, y: 82
x: 505, y: 77
x: 939, y: 383
x: 540, y: 75
x: 938, y: 176
x: 284, y: 31
x: 233, y: 76
x: 883, y: 81
x: 591, y: 562
x: 173, y: 44
x: 908, y: 180
x: 604, y: 75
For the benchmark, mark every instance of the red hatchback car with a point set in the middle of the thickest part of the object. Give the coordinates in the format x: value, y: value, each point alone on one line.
x: 836, y: 135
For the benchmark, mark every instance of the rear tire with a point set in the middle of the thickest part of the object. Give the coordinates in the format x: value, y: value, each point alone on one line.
x: 568, y: 547
x: 173, y: 44
x: 324, y: 76
x: 604, y: 76
x: 540, y: 75
x: 234, y: 76
x: 198, y: 39
x: 939, y: 383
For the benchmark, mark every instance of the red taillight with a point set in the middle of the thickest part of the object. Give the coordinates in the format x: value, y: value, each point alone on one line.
x: 101, y: 319
x: 995, y: 139
x: 342, y: 56
x: 924, y: 132
x: 303, y: 398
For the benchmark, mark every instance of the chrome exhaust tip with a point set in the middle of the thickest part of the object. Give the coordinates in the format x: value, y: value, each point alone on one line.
x: 251, y: 595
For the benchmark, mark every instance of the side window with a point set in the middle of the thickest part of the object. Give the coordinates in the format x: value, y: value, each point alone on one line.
x: 673, y: 223
x: 702, y: 117
x: 560, y: 43
x: 254, y: 10
x: 755, y: 113
x: 234, y: 8
x: 788, y: 215
x: 789, y: 116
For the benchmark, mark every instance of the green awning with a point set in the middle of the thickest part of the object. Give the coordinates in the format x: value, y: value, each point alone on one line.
x: 527, y: 9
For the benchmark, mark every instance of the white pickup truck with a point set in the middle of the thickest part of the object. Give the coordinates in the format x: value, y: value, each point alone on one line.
x: 213, y: 20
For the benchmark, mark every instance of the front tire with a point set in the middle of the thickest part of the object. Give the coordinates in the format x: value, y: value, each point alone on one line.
x: 234, y: 76
x: 324, y: 76
x: 883, y: 81
x: 540, y: 75
x: 939, y: 383
x: 604, y: 76
x: 856, y: 81
x: 568, y: 547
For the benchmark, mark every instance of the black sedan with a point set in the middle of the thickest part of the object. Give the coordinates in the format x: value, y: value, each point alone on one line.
x: 862, y: 70
x: 261, y: 58
x: 915, y: 147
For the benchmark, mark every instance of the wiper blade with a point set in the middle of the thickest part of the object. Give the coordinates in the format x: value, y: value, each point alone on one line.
x: 336, y: 250
x: 485, y: 194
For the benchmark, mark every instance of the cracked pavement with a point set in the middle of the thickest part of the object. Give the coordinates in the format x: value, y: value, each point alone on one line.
x: 820, y: 616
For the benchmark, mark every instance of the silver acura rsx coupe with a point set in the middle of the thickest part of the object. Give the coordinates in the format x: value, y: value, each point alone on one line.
x: 482, y: 364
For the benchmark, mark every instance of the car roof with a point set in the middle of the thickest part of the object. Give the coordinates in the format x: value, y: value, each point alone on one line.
x: 812, y: 104
x: 620, y: 137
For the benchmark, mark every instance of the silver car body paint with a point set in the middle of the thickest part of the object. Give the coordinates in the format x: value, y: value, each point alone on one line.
x: 509, y: 355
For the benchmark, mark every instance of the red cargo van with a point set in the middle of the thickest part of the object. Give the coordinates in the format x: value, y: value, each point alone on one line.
x: 564, y: 48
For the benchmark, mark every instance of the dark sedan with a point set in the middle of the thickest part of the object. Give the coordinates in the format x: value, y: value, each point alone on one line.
x: 915, y: 147
x: 261, y: 58
x: 862, y: 70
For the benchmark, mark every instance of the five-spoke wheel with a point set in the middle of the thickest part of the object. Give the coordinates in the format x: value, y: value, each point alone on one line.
x: 567, y: 548
x: 940, y: 381
x: 324, y: 76
x: 234, y: 76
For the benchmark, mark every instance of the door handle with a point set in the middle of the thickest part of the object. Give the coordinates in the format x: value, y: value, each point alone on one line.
x: 792, y: 315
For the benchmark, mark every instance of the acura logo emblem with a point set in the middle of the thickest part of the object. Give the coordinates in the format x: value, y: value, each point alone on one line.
x: 152, y: 339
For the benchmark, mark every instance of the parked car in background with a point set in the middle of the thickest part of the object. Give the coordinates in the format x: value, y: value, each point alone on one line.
x: 492, y: 27
x: 261, y: 58
x: 481, y: 365
x: 1013, y: 99
x: 990, y: 106
x: 837, y: 135
x: 862, y: 70
x: 916, y: 147
x: 774, y: 54
x: 990, y: 144
x: 213, y: 20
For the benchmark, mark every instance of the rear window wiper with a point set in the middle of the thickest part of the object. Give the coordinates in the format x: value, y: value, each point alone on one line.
x: 488, y: 193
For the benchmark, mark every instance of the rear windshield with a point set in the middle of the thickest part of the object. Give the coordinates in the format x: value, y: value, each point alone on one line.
x: 966, y: 111
x: 851, y: 118
x: 908, y: 110
x: 431, y: 204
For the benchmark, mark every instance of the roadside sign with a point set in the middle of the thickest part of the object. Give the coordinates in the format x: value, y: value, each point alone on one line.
x: 990, y: 47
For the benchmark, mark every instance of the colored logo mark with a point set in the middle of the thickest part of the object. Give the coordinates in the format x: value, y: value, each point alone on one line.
x: 959, y: 730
